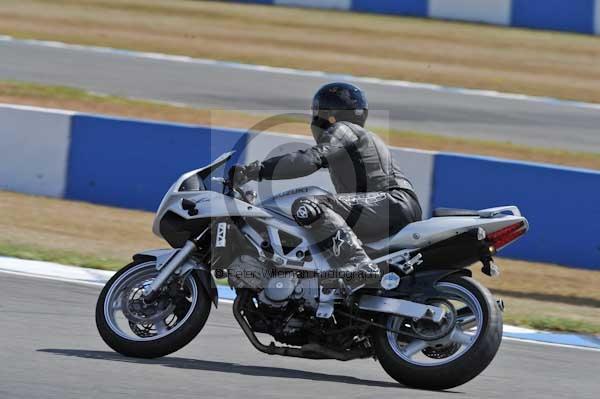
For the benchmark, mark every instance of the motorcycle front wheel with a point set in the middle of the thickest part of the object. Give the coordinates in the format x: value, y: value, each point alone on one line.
x: 136, y: 329
x: 469, y: 344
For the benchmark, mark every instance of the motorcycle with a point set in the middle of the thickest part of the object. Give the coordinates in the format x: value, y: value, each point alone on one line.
x: 428, y: 322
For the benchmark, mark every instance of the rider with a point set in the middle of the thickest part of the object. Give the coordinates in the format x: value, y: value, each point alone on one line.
x: 374, y: 199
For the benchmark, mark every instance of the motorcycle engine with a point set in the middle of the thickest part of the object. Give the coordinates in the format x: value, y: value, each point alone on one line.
x: 275, y: 289
x: 248, y: 272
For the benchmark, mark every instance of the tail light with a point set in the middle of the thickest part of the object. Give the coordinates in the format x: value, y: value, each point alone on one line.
x: 506, y: 235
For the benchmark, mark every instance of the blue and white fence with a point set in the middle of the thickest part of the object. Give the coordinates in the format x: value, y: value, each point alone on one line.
x: 131, y: 163
x: 582, y: 16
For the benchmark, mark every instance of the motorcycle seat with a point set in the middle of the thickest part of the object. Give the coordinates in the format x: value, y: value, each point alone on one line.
x: 443, y: 212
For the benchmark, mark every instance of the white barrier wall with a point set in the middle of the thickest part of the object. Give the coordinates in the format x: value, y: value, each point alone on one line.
x: 339, y: 4
x: 34, y: 147
x: 490, y: 11
x: 418, y: 166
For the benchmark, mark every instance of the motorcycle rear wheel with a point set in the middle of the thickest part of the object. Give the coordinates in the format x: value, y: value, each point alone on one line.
x: 133, y: 336
x: 447, y: 367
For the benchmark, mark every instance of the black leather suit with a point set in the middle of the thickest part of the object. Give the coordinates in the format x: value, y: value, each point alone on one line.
x: 374, y: 199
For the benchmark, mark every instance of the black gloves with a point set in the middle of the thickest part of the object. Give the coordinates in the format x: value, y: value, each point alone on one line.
x: 241, y: 174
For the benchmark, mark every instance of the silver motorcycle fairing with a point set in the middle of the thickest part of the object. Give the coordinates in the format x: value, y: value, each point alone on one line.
x: 430, y: 231
x: 209, y: 204
x: 162, y: 257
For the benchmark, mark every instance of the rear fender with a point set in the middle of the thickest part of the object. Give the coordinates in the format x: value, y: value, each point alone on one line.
x: 162, y: 256
x: 423, y: 283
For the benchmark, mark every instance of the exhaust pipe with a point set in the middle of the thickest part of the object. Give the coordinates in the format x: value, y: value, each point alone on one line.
x: 308, y: 351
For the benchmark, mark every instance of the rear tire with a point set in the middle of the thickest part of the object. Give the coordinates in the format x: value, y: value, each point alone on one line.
x: 159, y: 347
x: 460, y: 370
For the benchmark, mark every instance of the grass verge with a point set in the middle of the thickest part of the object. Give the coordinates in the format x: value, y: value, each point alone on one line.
x: 449, y: 53
x: 59, y: 256
x: 554, y: 324
x: 80, y: 100
x: 70, y: 232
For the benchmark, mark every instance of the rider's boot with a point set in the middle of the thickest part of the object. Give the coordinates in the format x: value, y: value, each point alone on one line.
x: 352, y: 267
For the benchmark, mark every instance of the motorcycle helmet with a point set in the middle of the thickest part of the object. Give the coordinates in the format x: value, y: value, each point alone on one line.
x: 338, y: 102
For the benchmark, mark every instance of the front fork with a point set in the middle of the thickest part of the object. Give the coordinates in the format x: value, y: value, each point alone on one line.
x: 152, y: 291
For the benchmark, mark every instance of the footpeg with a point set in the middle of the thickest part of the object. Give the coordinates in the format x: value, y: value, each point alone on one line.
x: 405, y: 263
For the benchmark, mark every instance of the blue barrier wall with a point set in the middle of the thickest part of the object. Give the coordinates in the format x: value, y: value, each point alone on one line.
x: 131, y: 164
x: 581, y: 16
x: 561, y: 204
x: 565, y: 15
x: 415, y: 8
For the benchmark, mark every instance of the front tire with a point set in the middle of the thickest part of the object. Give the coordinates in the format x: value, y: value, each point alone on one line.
x: 144, y: 340
x: 457, y: 368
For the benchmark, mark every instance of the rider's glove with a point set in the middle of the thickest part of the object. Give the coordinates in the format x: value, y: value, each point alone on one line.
x: 241, y: 174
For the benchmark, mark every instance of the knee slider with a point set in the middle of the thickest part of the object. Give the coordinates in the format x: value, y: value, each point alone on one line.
x: 306, y: 211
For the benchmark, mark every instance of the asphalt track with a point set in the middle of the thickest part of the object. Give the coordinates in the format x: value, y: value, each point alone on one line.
x: 49, y: 348
x: 491, y: 116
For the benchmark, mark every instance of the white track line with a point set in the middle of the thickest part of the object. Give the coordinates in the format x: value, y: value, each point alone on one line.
x: 530, y: 341
x: 53, y: 278
x: 300, y: 72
